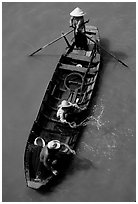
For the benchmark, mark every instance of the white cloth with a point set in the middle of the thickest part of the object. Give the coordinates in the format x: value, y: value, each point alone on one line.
x: 77, y: 23
x: 44, y: 155
x: 60, y: 114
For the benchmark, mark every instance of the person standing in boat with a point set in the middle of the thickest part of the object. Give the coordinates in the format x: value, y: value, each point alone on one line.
x: 49, y: 154
x: 77, y: 22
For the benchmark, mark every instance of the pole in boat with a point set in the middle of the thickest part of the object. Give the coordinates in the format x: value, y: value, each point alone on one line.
x: 108, y: 52
x: 41, y: 48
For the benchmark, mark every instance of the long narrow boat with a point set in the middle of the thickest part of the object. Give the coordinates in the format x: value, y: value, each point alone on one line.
x: 73, y: 80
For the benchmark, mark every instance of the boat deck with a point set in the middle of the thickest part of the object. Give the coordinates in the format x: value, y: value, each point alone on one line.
x: 73, y: 80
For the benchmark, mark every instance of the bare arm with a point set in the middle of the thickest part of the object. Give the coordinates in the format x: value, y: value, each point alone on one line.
x: 71, y: 21
x: 67, y: 146
x: 60, y: 114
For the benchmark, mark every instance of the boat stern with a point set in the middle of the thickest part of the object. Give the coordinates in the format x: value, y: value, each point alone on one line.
x: 37, y: 183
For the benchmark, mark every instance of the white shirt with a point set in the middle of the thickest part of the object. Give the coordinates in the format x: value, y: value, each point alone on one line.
x: 60, y: 114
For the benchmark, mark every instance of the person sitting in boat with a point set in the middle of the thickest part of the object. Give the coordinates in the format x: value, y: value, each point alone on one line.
x: 77, y: 22
x: 49, y: 153
x: 67, y: 108
x: 60, y: 146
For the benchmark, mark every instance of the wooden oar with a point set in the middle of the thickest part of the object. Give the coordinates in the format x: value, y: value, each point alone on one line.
x: 108, y: 52
x: 41, y: 48
x: 63, y: 35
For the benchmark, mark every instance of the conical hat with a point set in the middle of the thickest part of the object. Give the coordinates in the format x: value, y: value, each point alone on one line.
x: 77, y: 12
x: 54, y: 144
x: 39, y: 141
x: 64, y: 104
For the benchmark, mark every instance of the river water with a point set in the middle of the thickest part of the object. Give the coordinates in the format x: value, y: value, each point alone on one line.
x: 104, y: 169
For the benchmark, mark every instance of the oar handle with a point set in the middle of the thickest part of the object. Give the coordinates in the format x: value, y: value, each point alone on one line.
x: 51, y: 43
x: 63, y: 35
x: 54, y: 41
x: 36, y: 51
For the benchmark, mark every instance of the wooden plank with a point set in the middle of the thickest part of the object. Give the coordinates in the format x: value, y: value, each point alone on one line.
x: 73, y: 68
x: 79, y: 52
x: 79, y: 57
x: 97, y: 58
x: 88, y: 53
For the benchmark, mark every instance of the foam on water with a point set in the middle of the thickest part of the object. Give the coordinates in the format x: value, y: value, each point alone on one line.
x: 102, y: 139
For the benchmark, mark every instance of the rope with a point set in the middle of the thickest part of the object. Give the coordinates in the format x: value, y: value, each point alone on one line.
x: 83, y: 123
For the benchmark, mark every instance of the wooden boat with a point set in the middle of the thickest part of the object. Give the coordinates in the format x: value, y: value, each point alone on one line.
x: 73, y: 80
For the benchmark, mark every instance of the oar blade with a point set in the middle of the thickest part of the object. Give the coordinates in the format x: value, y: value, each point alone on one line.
x: 123, y: 63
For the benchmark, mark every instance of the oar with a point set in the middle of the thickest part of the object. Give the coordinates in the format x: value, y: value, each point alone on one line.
x: 41, y: 48
x: 108, y: 52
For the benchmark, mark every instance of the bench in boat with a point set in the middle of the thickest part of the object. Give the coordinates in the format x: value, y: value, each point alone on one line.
x: 72, y: 68
x: 78, y: 57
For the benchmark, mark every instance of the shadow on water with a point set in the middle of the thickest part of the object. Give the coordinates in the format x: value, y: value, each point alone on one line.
x: 80, y: 163
x: 77, y: 164
x: 105, y: 44
x: 105, y: 60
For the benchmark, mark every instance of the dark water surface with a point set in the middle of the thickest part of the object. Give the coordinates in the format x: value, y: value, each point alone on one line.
x: 105, y: 167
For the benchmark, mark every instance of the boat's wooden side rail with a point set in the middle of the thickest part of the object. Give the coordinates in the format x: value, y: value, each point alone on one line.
x: 87, y: 95
x: 78, y: 57
x: 89, y: 83
x: 93, y: 70
x: 47, y: 105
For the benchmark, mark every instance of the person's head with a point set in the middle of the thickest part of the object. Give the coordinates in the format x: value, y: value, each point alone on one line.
x: 77, y: 13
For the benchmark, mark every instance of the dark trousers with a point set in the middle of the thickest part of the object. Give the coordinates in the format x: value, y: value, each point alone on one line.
x: 81, y: 41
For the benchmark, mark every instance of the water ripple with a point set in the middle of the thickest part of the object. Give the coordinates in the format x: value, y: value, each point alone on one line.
x: 102, y: 139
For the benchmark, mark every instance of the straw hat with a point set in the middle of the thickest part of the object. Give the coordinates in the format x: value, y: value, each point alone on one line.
x: 54, y: 144
x: 77, y: 12
x: 39, y: 142
x: 64, y: 104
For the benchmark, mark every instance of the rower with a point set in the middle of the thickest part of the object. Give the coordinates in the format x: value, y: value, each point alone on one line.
x: 77, y: 22
x: 49, y: 154
x: 66, y: 108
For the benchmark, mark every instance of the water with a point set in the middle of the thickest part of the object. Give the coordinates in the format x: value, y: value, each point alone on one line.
x: 104, y: 169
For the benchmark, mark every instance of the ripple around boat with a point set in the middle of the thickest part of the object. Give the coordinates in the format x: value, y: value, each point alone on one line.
x: 73, y: 80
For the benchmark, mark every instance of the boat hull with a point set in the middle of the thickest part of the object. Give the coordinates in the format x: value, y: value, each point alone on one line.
x: 73, y: 80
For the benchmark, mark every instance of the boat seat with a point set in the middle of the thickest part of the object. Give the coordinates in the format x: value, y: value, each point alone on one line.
x: 88, y: 53
x: 83, y: 52
x: 90, y: 33
x: 73, y: 68
x: 79, y: 52
x: 79, y: 57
